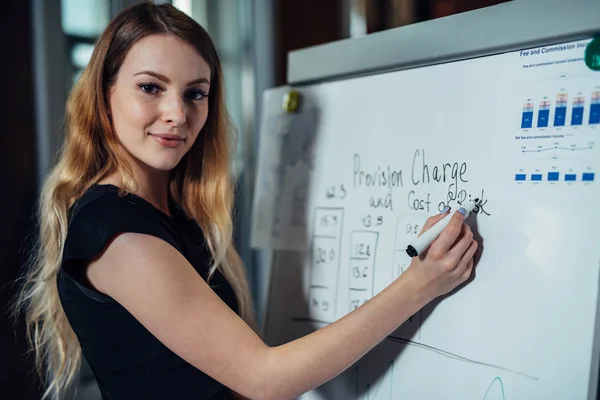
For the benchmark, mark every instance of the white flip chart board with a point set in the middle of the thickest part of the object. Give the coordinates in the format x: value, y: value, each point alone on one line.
x: 345, y: 183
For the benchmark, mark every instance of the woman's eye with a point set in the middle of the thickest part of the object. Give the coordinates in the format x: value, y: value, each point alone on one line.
x: 196, y: 95
x: 149, y: 88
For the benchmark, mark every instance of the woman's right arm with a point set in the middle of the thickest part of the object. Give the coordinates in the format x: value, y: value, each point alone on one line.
x: 162, y: 290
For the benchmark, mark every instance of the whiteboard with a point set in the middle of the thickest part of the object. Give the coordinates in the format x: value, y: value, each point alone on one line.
x: 344, y: 184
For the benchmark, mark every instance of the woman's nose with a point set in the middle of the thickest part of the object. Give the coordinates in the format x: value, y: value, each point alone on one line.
x: 174, y: 112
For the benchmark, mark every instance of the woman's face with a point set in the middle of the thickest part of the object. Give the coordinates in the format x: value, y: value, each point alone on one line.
x: 159, y: 101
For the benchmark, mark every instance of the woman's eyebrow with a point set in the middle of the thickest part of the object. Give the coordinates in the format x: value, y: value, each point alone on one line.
x: 167, y: 80
x: 199, y: 80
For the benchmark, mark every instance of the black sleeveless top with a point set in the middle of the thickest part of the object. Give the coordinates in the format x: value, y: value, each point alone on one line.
x: 127, y: 360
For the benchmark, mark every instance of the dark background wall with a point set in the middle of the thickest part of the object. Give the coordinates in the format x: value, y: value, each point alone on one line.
x: 305, y: 23
x: 17, y: 185
x: 299, y: 24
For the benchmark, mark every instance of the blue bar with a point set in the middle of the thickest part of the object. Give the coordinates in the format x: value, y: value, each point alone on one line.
x: 587, y: 176
x: 520, y: 177
x: 595, y: 114
x: 536, y: 177
x: 577, y: 116
x: 570, y: 177
x: 552, y: 176
x: 559, y: 116
x: 527, y: 119
x: 543, y: 118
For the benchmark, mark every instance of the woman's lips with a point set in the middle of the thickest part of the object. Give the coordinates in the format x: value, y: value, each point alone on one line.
x: 167, y: 140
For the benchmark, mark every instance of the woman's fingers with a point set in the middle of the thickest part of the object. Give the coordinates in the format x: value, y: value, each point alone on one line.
x: 433, y: 220
x: 468, y: 270
x: 448, y: 236
x: 465, y: 266
x: 462, y: 243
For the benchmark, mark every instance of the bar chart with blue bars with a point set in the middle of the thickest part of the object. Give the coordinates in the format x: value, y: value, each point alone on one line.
x: 543, y: 114
x: 554, y: 176
x: 560, y: 111
x: 595, y: 108
x: 541, y: 118
x: 527, y: 118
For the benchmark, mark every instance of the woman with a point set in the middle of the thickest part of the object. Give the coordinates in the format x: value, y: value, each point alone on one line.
x: 136, y: 265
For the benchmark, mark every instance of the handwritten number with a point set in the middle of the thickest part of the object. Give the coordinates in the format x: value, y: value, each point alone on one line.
x: 367, y: 220
x: 412, y: 229
x: 324, y: 256
x: 363, y: 250
x: 329, y: 220
x: 333, y: 192
x: 357, y: 273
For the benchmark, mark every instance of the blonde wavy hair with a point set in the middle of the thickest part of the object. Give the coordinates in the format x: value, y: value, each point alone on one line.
x: 201, y: 183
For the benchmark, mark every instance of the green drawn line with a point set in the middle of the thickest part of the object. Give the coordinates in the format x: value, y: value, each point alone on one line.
x: 492, y: 384
x: 368, y: 391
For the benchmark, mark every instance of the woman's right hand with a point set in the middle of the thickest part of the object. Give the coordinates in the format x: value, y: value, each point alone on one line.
x: 448, y: 262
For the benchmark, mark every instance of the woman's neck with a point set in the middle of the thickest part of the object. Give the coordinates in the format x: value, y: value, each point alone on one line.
x: 152, y: 187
